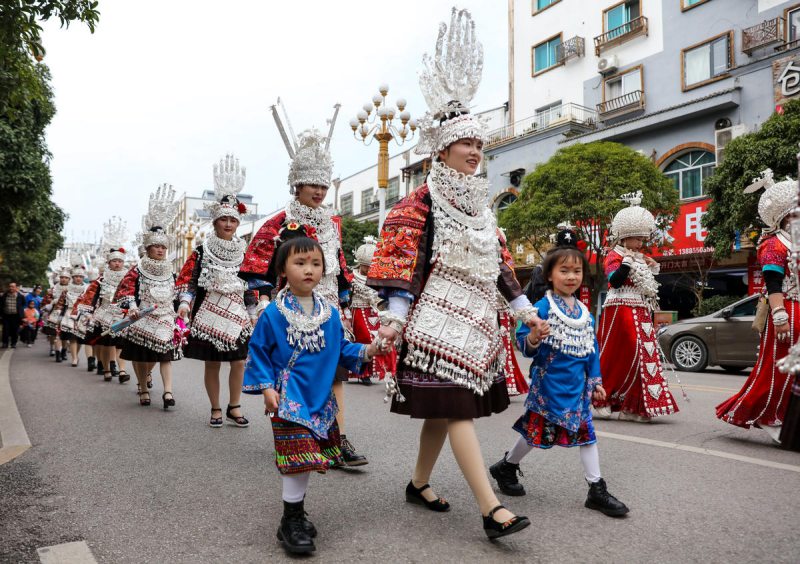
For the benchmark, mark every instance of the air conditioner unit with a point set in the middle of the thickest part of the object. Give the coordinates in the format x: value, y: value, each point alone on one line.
x: 607, y: 65
x: 724, y: 136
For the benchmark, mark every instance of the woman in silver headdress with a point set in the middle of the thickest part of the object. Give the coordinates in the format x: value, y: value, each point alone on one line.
x: 441, y: 262
x: 210, y: 290
x: 151, y: 284
x: 764, y: 398
x: 68, y: 331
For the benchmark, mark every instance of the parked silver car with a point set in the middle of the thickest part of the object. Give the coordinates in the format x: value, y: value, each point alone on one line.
x: 723, y: 338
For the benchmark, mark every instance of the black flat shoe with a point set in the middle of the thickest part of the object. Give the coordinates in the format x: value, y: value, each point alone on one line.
x: 215, y: 422
x: 168, y: 401
x: 239, y: 421
x: 414, y: 495
x: 123, y: 377
x: 495, y: 530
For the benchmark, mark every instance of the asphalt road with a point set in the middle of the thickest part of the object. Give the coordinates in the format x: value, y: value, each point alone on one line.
x: 144, y: 485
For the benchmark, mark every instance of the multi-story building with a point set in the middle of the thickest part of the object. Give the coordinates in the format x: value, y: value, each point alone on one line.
x: 674, y: 79
x: 356, y: 194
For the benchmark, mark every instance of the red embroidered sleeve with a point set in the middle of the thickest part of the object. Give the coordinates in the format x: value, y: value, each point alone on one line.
x: 126, y: 291
x: 46, y: 300
x: 186, y: 280
x: 262, y: 247
x: 398, y: 248
x: 612, y: 262
x: 89, y: 298
x: 771, y: 252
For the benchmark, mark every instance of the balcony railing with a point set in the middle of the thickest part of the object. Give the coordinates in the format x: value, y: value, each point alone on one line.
x: 552, y: 117
x: 763, y: 34
x: 629, y: 102
x: 571, y: 49
x: 620, y: 34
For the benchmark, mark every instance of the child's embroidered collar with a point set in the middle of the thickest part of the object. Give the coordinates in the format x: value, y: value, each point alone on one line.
x: 305, y: 331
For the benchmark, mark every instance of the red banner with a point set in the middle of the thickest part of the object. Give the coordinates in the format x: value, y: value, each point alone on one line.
x: 686, y: 235
x: 755, y: 282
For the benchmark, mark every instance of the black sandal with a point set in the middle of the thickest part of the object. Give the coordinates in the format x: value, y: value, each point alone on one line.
x: 168, y: 402
x: 107, y: 376
x: 495, y: 530
x: 238, y: 421
x: 123, y: 376
x: 142, y: 400
x: 215, y: 422
x: 414, y: 495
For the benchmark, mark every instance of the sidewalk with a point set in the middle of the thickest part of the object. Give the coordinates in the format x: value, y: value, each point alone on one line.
x: 13, y: 438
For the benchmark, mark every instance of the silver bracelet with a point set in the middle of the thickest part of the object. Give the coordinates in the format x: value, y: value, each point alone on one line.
x: 526, y: 314
x: 780, y: 317
x: 392, y: 320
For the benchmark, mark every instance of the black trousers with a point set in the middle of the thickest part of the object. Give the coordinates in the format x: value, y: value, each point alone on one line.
x: 11, y: 329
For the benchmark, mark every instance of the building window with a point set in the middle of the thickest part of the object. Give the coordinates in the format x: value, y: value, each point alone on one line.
x: 393, y: 190
x: 346, y: 204
x: 539, y: 5
x: 618, y: 16
x: 687, y: 4
x: 545, y: 55
x: 792, y: 16
x: 623, y: 84
x: 688, y: 171
x: 368, y: 200
x: 707, y: 62
x: 503, y: 201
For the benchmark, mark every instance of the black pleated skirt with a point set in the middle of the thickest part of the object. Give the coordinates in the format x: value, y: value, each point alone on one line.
x: 137, y: 353
x: 200, y: 349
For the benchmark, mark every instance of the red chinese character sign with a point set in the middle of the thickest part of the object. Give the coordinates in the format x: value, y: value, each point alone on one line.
x: 686, y: 235
x: 755, y: 282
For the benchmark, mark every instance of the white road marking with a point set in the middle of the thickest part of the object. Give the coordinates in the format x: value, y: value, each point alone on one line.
x: 698, y: 450
x: 67, y: 553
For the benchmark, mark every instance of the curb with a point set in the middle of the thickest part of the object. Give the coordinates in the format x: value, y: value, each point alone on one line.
x: 12, y: 430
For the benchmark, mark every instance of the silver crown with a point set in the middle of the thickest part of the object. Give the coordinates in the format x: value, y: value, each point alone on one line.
x: 115, y: 236
x: 161, y: 210
x: 365, y: 252
x: 449, y: 81
x: 229, y: 180
x: 77, y: 267
x: 311, y: 157
x: 777, y: 201
x: 633, y: 221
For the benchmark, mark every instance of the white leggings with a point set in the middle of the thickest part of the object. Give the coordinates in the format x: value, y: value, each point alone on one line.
x: 590, y: 458
x: 295, y: 486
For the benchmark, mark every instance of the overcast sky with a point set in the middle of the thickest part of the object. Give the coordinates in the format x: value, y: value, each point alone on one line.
x: 164, y: 88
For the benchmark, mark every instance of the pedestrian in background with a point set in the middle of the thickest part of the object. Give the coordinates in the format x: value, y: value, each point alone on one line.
x: 294, y: 353
x: 35, y: 295
x: 30, y: 321
x: 12, y: 303
x: 565, y: 376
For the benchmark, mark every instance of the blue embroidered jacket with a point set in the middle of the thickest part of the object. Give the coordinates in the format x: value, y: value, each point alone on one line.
x: 306, y: 395
x: 561, y: 384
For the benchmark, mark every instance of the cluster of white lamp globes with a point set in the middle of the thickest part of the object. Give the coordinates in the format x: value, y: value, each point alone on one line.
x: 367, y: 123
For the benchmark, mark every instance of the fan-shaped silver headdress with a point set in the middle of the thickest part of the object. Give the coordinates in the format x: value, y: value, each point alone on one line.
x: 229, y: 180
x: 77, y: 267
x: 449, y: 81
x: 365, y: 252
x: 633, y: 221
x: 310, y: 154
x: 777, y: 201
x: 59, y: 266
x: 115, y: 236
x: 161, y: 210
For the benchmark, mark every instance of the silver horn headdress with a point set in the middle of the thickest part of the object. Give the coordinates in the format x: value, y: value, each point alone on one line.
x: 777, y: 201
x: 115, y: 236
x: 161, y: 210
x: 310, y: 155
x: 449, y: 81
x: 229, y: 180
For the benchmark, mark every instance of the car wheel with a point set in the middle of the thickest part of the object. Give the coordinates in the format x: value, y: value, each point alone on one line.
x: 689, y: 354
x: 729, y: 368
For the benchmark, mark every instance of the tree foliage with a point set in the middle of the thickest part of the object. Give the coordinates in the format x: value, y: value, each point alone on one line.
x: 353, y: 233
x: 32, y: 223
x: 582, y: 184
x: 773, y: 146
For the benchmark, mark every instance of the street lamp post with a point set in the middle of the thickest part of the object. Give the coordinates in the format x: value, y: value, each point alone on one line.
x: 376, y: 121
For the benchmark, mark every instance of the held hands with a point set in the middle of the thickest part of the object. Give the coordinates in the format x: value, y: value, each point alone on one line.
x: 539, y: 330
x: 183, y: 311
x: 388, y: 334
x: 599, y: 393
x: 134, y: 314
x: 271, y: 399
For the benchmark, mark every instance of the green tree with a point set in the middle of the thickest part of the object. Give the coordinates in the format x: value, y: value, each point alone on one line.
x: 353, y: 233
x: 582, y: 184
x: 773, y: 146
x: 32, y: 223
